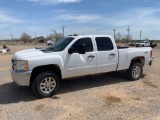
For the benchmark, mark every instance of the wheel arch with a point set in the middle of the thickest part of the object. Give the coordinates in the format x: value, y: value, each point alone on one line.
x: 39, y: 69
x: 139, y: 59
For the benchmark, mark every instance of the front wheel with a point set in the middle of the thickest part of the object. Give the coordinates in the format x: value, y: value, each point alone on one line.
x: 46, y: 84
x: 135, y: 71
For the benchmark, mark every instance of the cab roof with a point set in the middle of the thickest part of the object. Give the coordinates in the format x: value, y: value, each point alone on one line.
x: 83, y: 35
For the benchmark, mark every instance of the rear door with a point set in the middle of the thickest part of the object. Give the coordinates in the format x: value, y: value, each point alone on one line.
x: 107, y: 56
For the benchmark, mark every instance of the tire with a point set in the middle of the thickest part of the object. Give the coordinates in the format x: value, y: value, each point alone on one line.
x: 135, y: 71
x: 49, y: 44
x: 46, y: 84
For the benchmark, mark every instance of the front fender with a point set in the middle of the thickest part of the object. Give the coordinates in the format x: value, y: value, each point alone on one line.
x: 48, y: 60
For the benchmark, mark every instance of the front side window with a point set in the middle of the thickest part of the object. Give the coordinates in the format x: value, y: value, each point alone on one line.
x: 104, y: 44
x: 61, y: 44
x: 85, y: 41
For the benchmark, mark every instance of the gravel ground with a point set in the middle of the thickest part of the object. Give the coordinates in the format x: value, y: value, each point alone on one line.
x: 107, y: 96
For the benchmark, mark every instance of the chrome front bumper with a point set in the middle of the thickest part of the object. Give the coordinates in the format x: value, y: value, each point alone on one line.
x: 21, y: 78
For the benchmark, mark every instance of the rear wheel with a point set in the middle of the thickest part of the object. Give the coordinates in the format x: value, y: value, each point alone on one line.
x: 135, y: 71
x: 46, y: 84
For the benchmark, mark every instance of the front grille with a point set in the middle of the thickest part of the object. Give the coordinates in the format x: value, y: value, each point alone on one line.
x: 13, y: 64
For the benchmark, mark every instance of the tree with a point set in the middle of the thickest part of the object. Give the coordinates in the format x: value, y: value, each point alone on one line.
x: 126, y: 38
x: 25, y: 37
x: 118, y: 37
x: 50, y: 37
x: 54, y: 36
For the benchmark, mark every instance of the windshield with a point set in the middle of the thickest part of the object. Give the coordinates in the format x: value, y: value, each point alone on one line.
x: 61, y: 44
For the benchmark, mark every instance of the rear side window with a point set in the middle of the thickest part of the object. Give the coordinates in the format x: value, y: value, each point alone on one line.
x: 104, y: 44
x: 86, y: 41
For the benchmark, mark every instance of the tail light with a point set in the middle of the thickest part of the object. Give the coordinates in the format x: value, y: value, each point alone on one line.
x: 151, y: 54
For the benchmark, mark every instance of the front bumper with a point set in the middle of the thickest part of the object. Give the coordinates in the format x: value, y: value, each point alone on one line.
x: 21, y: 78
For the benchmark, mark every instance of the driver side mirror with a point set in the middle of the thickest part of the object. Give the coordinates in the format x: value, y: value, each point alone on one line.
x: 70, y: 50
x: 80, y: 49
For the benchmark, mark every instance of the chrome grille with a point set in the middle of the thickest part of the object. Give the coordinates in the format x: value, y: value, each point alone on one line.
x: 13, y: 64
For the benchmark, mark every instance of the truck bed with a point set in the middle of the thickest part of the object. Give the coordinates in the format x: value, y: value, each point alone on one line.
x: 125, y: 54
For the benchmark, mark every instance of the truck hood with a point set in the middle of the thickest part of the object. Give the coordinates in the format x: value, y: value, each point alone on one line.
x: 22, y: 55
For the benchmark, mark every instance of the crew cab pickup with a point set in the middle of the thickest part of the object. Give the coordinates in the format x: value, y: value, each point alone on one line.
x: 75, y: 56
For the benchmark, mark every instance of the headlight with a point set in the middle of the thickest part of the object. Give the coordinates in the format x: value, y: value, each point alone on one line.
x: 22, y: 65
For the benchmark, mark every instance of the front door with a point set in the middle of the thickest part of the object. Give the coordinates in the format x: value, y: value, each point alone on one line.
x: 80, y: 64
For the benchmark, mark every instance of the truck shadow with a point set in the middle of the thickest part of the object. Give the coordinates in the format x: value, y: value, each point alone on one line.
x: 88, y: 82
x: 10, y: 93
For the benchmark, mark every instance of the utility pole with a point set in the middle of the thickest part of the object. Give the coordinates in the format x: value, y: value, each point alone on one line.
x: 12, y: 38
x: 35, y: 39
x: 63, y: 30
x: 35, y: 34
x: 114, y: 30
x: 128, y: 30
x: 140, y: 34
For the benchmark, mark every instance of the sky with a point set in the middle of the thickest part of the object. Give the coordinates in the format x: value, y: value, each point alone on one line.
x: 80, y: 17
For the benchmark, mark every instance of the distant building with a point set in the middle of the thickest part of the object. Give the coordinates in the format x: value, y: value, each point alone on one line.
x: 40, y: 39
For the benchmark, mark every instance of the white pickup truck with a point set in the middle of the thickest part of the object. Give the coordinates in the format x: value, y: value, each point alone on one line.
x: 75, y: 56
x: 143, y: 44
x: 146, y: 44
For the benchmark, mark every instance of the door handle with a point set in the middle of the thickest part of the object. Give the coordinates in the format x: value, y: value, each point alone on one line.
x: 112, y: 54
x: 91, y: 56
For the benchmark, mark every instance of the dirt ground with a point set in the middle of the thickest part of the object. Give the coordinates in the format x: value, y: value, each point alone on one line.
x: 107, y: 96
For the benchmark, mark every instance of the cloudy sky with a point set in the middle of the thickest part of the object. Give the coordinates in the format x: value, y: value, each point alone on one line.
x: 80, y: 16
